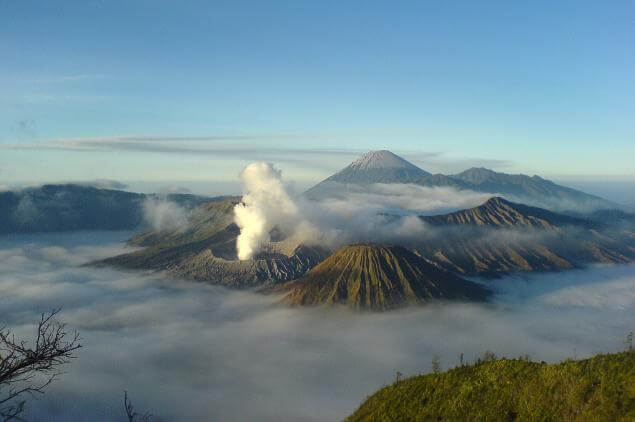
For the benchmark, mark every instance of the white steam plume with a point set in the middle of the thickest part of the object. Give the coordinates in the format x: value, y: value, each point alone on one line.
x: 357, y: 216
x: 164, y: 215
x: 265, y: 205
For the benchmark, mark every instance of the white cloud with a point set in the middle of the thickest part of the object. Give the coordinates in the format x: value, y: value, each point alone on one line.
x: 265, y: 205
x: 362, y: 214
x: 190, y: 351
x: 162, y: 214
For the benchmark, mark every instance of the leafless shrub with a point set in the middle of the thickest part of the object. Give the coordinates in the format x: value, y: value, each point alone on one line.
x: 130, y: 412
x: 628, y: 342
x: 436, y: 364
x: 29, y: 367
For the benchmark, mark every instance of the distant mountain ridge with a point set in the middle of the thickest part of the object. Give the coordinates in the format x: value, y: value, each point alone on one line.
x: 539, y: 191
x: 209, y: 218
x: 67, y: 207
x: 499, y: 212
x: 385, y: 167
x: 501, y: 237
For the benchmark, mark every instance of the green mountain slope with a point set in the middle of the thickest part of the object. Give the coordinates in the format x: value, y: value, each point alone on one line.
x: 601, y: 388
x: 377, y: 277
x: 206, y: 220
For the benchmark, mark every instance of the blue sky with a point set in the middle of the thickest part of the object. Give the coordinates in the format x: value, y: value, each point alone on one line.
x: 189, y: 92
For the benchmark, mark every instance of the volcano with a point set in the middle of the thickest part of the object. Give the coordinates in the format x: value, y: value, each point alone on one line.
x: 377, y: 277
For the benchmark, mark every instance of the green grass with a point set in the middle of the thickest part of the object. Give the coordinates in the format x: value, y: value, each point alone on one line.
x: 601, y: 388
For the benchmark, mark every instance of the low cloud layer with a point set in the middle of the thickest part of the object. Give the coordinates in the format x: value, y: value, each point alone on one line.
x: 363, y: 214
x: 189, y: 351
x: 398, y: 198
x: 103, y: 184
x: 161, y: 215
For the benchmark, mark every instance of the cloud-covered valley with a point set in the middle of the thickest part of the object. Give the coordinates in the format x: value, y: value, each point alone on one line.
x: 190, y: 351
x: 364, y: 213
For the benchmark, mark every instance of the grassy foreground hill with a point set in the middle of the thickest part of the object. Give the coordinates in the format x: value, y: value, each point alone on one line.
x: 601, y: 388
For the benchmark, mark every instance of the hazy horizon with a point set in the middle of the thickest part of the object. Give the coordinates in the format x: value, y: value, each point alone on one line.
x: 124, y: 91
x: 619, y: 190
x: 191, y: 351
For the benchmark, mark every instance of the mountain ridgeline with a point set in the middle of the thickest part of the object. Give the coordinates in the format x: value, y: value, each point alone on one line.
x: 377, y: 167
x: 386, y: 167
x: 80, y: 207
x: 498, y: 212
x: 500, y: 237
x: 496, y: 238
x: 69, y: 207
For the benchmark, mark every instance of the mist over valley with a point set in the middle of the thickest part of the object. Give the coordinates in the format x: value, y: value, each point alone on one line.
x: 191, y: 351
x: 305, y: 211
x: 240, y: 308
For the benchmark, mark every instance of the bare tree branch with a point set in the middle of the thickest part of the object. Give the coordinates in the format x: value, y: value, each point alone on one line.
x: 29, y: 368
x: 130, y: 412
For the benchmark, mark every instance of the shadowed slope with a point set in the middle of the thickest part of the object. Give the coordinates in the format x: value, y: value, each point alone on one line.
x: 206, y: 220
x: 70, y: 207
x: 378, y: 278
x: 386, y: 167
x: 531, y: 189
x: 502, y: 213
x: 495, y: 238
x: 500, y: 237
x: 206, y: 251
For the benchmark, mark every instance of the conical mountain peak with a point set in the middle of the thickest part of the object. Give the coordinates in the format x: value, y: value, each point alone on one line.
x: 373, y: 167
x: 382, y: 159
x: 385, y: 167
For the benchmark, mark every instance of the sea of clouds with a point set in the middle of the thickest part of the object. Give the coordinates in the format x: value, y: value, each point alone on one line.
x: 364, y: 213
x: 191, y: 351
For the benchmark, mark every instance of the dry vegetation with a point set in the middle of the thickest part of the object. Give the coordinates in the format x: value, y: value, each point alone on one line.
x: 601, y: 388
